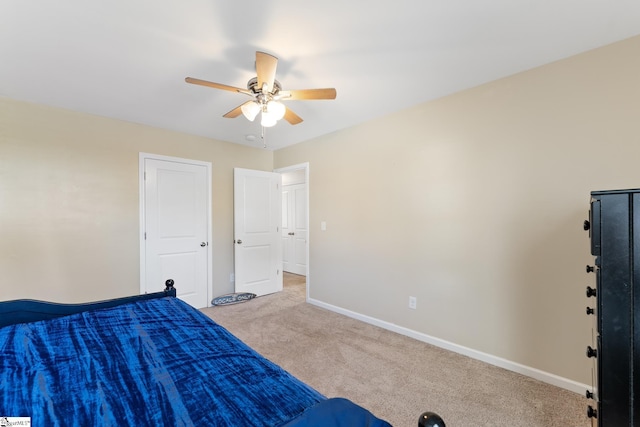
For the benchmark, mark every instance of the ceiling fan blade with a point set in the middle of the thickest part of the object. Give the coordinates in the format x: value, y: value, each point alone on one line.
x: 216, y: 85
x: 266, y: 70
x: 305, y: 94
x: 235, y: 112
x: 292, y: 117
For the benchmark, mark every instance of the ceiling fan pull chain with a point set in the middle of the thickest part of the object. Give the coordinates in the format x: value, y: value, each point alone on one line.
x: 263, y: 136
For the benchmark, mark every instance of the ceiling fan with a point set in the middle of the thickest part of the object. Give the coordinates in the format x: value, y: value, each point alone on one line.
x: 266, y: 93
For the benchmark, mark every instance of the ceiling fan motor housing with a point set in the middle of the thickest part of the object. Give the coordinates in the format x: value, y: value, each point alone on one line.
x: 252, y: 85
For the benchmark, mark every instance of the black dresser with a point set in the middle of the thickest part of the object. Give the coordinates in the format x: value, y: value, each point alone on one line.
x: 614, y: 230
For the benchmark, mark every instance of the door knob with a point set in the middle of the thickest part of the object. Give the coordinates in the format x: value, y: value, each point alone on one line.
x: 203, y: 244
x: 239, y: 242
x: 291, y: 234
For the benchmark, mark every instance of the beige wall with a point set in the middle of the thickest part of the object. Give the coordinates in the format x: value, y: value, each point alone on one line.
x: 69, y: 207
x: 474, y: 204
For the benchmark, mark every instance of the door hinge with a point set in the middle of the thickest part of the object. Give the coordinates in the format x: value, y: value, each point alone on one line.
x: 278, y: 272
x: 145, y: 235
x: 144, y: 175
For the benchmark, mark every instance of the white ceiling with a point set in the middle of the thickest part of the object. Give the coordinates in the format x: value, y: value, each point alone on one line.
x: 127, y: 59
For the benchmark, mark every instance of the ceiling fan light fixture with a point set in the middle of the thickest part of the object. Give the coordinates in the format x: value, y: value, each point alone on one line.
x: 272, y: 111
x: 250, y: 110
x: 277, y: 109
x: 268, y: 119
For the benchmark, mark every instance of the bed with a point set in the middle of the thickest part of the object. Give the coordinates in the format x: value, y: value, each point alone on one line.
x: 148, y: 360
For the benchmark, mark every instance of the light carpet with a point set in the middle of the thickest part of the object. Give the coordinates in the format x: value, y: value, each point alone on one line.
x: 395, y: 377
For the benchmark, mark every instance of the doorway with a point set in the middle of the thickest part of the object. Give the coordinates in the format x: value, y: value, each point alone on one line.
x: 295, y: 223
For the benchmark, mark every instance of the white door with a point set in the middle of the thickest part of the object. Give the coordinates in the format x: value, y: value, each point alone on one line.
x: 294, y: 229
x: 176, y: 206
x: 257, y: 216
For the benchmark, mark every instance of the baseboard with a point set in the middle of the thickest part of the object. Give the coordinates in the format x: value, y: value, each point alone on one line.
x: 537, y: 374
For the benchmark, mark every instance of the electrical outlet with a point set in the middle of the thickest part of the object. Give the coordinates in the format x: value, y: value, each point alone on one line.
x: 413, y: 302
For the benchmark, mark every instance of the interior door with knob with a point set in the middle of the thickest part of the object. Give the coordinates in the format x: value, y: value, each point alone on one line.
x: 294, y: 229
x: 175, y: 204
x: 257, y: 241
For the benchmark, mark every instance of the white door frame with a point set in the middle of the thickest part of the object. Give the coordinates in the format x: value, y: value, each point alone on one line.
x: 143, y: 251
x: 304, y: 166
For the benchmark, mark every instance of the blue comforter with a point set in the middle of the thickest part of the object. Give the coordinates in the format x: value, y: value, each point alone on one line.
x: 155, y: 362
